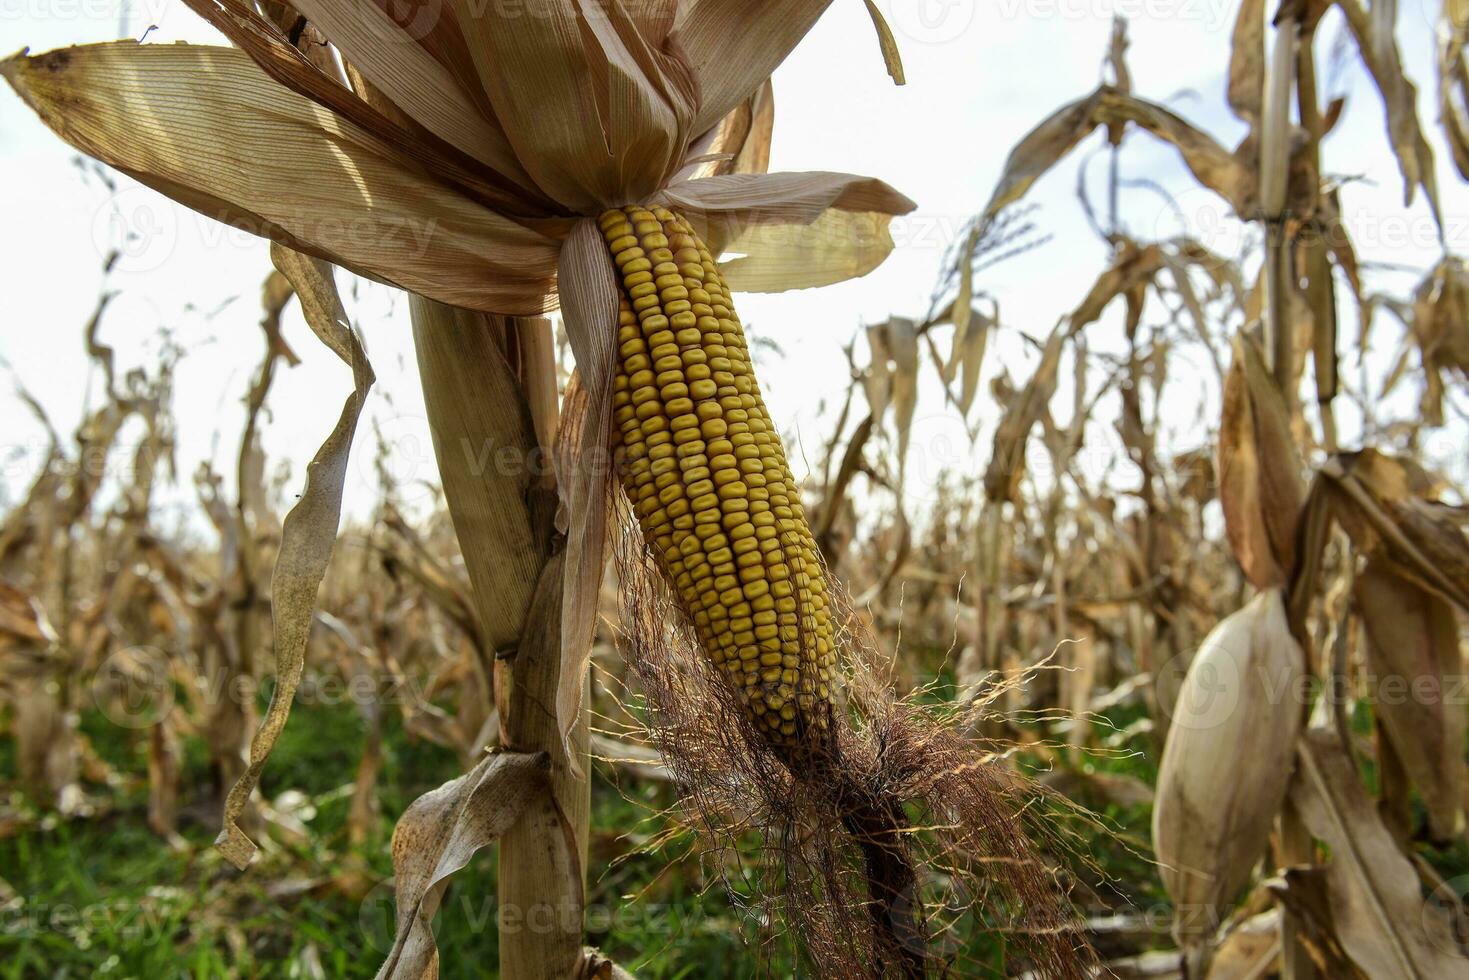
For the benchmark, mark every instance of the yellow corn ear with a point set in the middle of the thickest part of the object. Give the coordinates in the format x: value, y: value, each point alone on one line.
x: 708, y: 479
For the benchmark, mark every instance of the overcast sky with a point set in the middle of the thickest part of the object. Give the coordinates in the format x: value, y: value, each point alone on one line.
x: 979, y: 76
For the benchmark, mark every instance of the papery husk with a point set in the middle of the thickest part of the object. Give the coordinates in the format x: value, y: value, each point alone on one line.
x: 1259, y: 467
x: 1227, y: 764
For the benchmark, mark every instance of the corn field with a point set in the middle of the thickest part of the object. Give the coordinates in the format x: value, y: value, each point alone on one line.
x: 953, y: 639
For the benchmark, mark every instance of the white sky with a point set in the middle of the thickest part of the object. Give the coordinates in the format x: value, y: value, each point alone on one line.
x: 980, y: 75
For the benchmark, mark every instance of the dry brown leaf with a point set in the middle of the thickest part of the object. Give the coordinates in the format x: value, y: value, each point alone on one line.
x: 1021, y: 412
x: 1441, y: 330
x: 877, y: 381
x: 307, y: 535
x: 1211, y: 164
x: 1041, y: 149
x: 438, y: 835
x: 282, y: 167
x: 1379, y: 50
x: 387, y: 54
x: 967, y: 356
x: 1214, y: 167
x: 1247, y: 62
x: 734, y: 45
x: 1413, y: 657
x: 22, y: 620
x: 1453, y: 81
x: 1251, y: 951
x: 1259, y: 469
x: 903, y: 342
x: 1385, y: 504
x: 1376, y: 901
x: 889, y: 44
x: 1303, y: 892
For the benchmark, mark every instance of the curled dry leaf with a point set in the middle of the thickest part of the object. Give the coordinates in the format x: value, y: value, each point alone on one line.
x: 1212, y: 165
x: 903, y: 342
x: 877, y: 381
x: 307, y: 536
x: 1453, y: 81
x: 1386, y: 505
x: 1379, y: 50
x: 1259, y: 468
x: 1413, y: 657
x: 1021, y: 412
x: 1441, y: 330
x: 438, y: 835
x: 1302, y: 892
x: 1250, y: 951
x: 889, y: 44
x: 967, y: 356
x: 1247, y: 62
x: 1375, y: 897
x: 1226, y: 764
x: 22, y: 620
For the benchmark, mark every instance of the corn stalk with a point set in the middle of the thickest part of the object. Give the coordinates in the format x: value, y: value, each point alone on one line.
x: 490, y: 388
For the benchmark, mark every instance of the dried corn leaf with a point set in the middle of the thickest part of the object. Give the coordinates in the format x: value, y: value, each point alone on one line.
x: 837, y: 246
x: 1375, y: 897
x: 967, y: 356
x: 1041, y: 149
x: 1379, y: 50
x: 1386, y: 505
x: 1259, y: 470
x: 889, y: 44
x: 1303, y: 892
x: 1251, y: 951
x: 1413, y: 657
x: 438, y: 835
x: 22, y: 620
x: 1453, y: 81
x: 742, y: 144
x: 1247, y: 62
x: 307, y: 535
x: 1211, y: 164
x: 387, y: 54
x: 136, y: 108
x: 903, y: 342
x: 1441, y: 329
x: 1021, y: 412
x: 877, y: 380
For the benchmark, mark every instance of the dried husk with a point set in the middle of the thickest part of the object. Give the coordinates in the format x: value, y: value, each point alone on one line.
x: 1259, y: 469
x: 1227, y: 762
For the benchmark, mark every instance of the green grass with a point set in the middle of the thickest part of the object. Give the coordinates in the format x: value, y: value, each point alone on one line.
x: 105, y: 897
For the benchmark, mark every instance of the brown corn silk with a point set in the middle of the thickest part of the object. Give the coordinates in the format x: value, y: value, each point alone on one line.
x: 887, y: 834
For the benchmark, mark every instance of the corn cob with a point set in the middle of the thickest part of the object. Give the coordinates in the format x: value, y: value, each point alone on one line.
x: 708, y: 479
